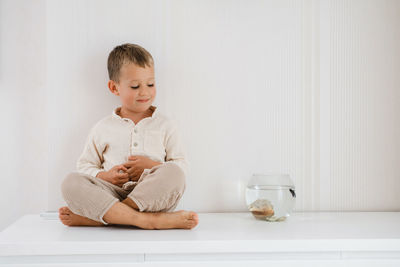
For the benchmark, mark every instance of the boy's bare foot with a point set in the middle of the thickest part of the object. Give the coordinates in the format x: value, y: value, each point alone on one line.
x: 69, y: 218
x: 179, y: 219
x: 166, y: 220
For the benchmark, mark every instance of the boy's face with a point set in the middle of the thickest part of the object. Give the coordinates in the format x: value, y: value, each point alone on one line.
x: 135, y: 84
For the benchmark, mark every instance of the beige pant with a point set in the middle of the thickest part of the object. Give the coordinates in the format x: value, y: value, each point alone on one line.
x: 157, y: 190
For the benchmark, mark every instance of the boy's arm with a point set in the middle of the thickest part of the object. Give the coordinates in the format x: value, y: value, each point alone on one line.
x: 175, y: 151
x: 91, y: 160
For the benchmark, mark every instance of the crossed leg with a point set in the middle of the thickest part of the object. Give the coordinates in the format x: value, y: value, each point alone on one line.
x: 69, y: 218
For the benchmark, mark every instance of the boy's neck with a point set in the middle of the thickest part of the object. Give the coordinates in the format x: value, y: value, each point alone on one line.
x: 135, y: 117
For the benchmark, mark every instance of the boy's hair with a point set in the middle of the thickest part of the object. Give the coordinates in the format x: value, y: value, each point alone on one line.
x: 124, y: 54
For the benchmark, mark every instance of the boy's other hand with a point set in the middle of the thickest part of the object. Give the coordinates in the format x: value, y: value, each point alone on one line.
x: 117, y: 175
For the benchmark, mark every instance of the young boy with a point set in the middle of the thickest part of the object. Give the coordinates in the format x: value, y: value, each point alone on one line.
x: 132, y: 170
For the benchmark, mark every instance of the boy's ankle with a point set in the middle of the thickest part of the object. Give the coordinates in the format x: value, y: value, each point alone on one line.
x: 147, y: 220
x: 128, y: 201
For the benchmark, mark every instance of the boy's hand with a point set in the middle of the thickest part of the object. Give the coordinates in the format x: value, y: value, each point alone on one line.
x: 116, y: 175
x: 137, y: 164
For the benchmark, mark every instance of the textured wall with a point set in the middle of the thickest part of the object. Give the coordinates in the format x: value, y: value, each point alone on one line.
x: 301, y: 87
x: 359, y: 88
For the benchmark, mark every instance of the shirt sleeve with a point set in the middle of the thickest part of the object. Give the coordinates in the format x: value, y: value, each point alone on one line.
x: 91, y: 159
x: 175, y: 151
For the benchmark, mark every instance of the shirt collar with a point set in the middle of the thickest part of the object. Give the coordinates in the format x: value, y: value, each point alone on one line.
x: 116, y: 112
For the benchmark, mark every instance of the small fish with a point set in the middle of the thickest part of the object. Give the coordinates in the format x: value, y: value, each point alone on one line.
x: 293, y: 193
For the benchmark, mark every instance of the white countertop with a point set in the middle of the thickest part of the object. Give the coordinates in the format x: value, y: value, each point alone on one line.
x: 216, y: 232
x: 219, y: 237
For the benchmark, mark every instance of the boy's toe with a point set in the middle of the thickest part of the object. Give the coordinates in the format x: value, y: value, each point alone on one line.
x: 63, y: 210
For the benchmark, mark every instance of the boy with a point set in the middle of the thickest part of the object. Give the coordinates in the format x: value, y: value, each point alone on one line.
x: 132, y: 170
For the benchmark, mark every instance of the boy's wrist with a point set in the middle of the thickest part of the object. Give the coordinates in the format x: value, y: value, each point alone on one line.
x: 155, y: 163
x: 100, y: 174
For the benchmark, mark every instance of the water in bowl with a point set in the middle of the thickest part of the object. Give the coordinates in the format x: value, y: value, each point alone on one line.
x: 282, y: 198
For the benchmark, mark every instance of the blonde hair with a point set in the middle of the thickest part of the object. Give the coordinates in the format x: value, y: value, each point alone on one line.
x: 124, y: 54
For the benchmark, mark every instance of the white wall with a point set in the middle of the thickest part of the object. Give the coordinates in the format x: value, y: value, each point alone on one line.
x: 24, y: 126
x: 307, y: 88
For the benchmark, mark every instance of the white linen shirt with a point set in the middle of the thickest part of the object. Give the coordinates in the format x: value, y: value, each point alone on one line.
x: 113, y: 139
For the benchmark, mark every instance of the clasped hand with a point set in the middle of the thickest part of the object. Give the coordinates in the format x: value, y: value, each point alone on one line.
x: 136, y: 165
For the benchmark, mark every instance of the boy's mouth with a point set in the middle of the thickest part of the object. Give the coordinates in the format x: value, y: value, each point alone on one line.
x: 143, y: 101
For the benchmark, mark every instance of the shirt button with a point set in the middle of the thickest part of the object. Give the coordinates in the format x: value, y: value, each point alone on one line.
x: 135, y: 130
x: 135, y: 144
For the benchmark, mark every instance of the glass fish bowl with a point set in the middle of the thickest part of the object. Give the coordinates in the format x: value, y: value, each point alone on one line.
x: 270, y: 197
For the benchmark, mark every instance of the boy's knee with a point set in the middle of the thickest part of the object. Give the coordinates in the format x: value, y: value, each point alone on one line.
x: 177, y: 176
x: 70, y: 183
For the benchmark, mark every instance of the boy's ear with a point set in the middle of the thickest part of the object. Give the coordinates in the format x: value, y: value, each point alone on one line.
x: 113, y: 88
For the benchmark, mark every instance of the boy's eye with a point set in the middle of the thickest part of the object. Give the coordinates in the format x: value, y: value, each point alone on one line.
x: 136, y: 87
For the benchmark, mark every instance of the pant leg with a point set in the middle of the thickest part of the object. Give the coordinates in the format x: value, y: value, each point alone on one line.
x: 89, y: 196
x: 160, y: 189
